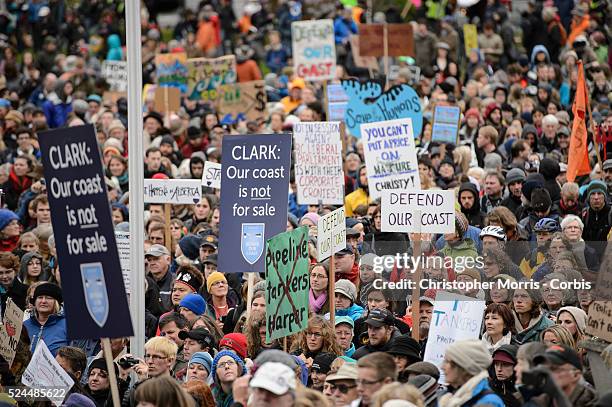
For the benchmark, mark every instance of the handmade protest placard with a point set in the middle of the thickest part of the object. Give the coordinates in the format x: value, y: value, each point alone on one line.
x: 209, y: 78
x: 455, y: 318
x: 44, y: 371
x: 95, y: 303
x: 418, y: 211
x: 337, y: 101
x: 470, y: 38
x: 287, y: 283
x: 399, y: 39
x: 211, y: 177
x: 243, y: 101
x: 10, y: 331
x: 603, y: 287
x: 115, y: 73
x: 368, y: 103
x: 599, y: 321
x: 171, y: 70
x: 167, y: 99
x: 445, y: 127
x: 318, y: 163
x: 123, y: 248
x: 172, y: 191
x: 361, y: 61
x: 254, y: 187
x: 331, y: 234
x: 390, y: 156
x: 314, y: 49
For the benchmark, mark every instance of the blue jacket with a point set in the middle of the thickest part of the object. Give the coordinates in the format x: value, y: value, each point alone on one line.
x: 489, y: 400
x: 343, y: 29
x: 354, y: 311
x: 56, y: 114
x: 349, y: 352
x: 54, y: 332
x: 115, y: 53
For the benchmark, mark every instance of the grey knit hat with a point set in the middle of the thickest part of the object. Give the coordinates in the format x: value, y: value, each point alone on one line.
x: 471, y: 355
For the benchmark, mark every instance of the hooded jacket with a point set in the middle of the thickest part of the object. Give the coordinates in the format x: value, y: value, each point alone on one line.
x: 360, y: 196
x: 23, y: 266
x: 115, y: 53
x: 536, y: 50
x: 533, y: 330
x: 53, y: 332
x: 475, y: 216
x: 505, y: 388
x: 58, y: 106
x: 354, y: 311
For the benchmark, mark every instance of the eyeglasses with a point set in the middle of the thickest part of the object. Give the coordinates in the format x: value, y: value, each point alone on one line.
x: 227, y: 363
x: 318, y: 276
x: 155, y: 357
x: 315, y: 334
x: 218, y: 284
x: 342, y: 388
x: 364, y: 383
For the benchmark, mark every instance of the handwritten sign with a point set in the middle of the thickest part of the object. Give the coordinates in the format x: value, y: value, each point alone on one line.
x: 171, y: 70
x: 599, y: 322
x: 123, y: 248
x: 115, y: 73
x: 470, y: 38
x: 400, y: 40
x: 603, y: 287
x: 44, y: 371
x: 337, y: 101
x: 211, y: 177
x: 368, y: 104
x: 10, y: 331
x: 173, y: 191
x: 243, y: 101
x: 418, y: 211
x: 390, y: 156
x: 446, y: 124
x: 314, y: 49
x: 318, y: 163
x: 331, y: 234
x: 209, y: 77
x: 455, y: 318
x: 361, y: 61
x: 167, y: 99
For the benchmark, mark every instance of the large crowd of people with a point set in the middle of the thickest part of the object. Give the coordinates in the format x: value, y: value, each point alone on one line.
x: 516, y: 210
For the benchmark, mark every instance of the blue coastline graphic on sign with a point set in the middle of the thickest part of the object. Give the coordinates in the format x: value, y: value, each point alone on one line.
x: 94, y: 288
x: 252, y: 241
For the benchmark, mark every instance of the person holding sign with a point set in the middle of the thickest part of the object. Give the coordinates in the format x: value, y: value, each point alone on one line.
x: 47, y: 321
x: 319, y: 283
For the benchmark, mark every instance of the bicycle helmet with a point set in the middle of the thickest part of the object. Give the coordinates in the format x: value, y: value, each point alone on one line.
x: 546, y: 225
x: 494, y: 231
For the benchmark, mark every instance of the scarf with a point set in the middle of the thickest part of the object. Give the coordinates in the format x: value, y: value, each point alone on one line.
x: 492, y: 347
x: 465, y: 392
x: 19, y: 184
x: 316, y: 304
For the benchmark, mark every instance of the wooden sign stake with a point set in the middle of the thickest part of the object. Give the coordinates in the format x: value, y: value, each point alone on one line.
x: 108, y: 356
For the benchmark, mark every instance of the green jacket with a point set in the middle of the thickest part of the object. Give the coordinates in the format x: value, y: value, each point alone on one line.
x: 533, y: 331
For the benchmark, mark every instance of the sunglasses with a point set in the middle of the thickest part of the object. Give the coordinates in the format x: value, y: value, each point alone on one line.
x: 342, y: 388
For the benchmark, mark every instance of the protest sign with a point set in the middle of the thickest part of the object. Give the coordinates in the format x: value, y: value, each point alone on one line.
x: 361, y: 61
x: 211, y: 177
x: 318, y: 163
x: 390, y: 156
x: 167, y: 99
x: 368, y: 103
x: 123, y: 249
x: 418, y: 211
x: 172, y: 191
x: 243, y: 101
x: 314, y: 49
x: 10, y: 331
x: 115, y: 73
x: 44, y: 371
x: 287, y: 283
x: 337, y: 100
x: 254, y: 189
x: 209, y: 77
x: 599, y: 322
x: 113, y: 97
x: 331, y: 234
x: 455, y: 318
x: 84, y: 235
x: 399, y: 39
x: 603, y: 287
x: 445, y: 127
x: 470, y: 38
x: 171, y: 70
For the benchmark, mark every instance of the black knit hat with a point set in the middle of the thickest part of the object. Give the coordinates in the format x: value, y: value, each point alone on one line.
x: 48, y: 289
x: 322, y: 362
x: 100, y: 363
x: 540, y: 200
x: 404, y: 345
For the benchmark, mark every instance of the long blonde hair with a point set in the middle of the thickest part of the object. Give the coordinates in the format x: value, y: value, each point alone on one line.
x: 462, y: 156
x: 328, y: 335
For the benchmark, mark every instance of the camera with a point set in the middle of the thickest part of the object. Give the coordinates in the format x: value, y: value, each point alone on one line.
x: 128, y: 362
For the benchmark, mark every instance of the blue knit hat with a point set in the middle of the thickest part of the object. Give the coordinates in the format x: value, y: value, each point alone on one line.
x: 194, y: 303
x: 190, y: 246
x: 240, y: 362
x: 6, y: 217
x: 202, y: 358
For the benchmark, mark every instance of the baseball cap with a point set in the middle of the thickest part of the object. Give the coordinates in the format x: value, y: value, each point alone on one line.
x: 157, y: 250
x: 199, y: 335
x: 344, y: 320
x: 274, y: 377
x: 559, y: 355
x: 211, y: 259
x: 210, y: 240
x: 380, y: 317
x: 348, y: 371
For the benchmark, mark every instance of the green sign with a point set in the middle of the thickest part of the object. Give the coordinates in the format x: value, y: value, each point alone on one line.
x: 287, y: 283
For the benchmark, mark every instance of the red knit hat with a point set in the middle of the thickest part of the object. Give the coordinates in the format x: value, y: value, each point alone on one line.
x: 236, y: 342
x: 490, y: 107
x: 473, y: 112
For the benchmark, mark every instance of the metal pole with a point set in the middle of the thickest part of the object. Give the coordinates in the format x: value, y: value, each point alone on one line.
x: 136, y: 174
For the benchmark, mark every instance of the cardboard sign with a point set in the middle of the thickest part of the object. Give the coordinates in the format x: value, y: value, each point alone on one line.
x: 603, y: 286
x: 243, y: 101
x: 113, y: 97
x: 368, y: 104
x: 211, y: 177
x: 361, y: 61
x: 470, y: 38
x: 455, y: 318
x: 287, y: 283
x: 399, y: 39
x: 319, y: 175
x: 418, y: 211
x: 10, y: 331
x: 314, y: 49
x: 599, y: 322
x: 446, y: 121
x: 254, y: 187
x: 44, y: 371
x: 337, y: 101
x: 173, y: 191
x: 167, y: 99
x: 331, y: 234
x: 123, y: 249
x: 209, y: 77
x: 171, y: 70
x: 115, y: 73
x: 94, y: 294
x: 390, y: 156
